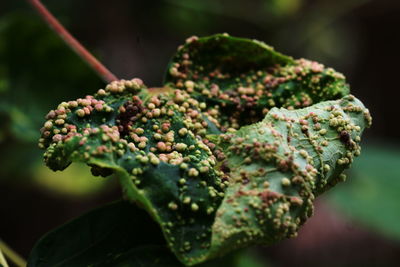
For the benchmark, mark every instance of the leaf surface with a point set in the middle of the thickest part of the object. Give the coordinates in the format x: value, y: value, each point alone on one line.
x: 118, y: 234
x: 279, y: 165
x: 242, y: 79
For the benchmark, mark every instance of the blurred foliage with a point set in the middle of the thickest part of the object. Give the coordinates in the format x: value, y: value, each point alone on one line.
x: 261, y: 13
x: 247, y: 259
x: 310, y: 29
x: 371, y: 195
x: 75, y: 181
x: 37, y: 71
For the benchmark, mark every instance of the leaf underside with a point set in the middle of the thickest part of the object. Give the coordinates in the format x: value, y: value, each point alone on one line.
x: 229, y: 153
x: 91, y: 240
x: 101, y: 238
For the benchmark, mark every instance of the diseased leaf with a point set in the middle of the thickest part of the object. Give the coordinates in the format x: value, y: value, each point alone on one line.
x: 242, y: 79
x: 155, y: 148
x: 278, y: 166
x: 178, y: 153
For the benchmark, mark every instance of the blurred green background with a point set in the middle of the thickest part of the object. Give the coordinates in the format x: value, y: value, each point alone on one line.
x: 356, y: 224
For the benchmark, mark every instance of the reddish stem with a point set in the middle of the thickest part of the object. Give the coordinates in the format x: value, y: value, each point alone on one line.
x: 96, y: 65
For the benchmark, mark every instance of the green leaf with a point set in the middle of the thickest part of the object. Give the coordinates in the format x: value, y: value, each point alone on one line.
x: 183, y: 162
x: 118, y: 234
x: 279, y: 165
x: 371, y: 195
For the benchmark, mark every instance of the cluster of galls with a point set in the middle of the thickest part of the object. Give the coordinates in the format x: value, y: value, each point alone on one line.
x: 129, y: 127
x: 272, y: 186
x: 168, y: 127
x: 245, y: 99
x: 59, y: 128
x: 279, y: 165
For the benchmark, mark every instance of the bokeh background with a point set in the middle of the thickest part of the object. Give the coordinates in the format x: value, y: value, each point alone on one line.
x: 356, y: 224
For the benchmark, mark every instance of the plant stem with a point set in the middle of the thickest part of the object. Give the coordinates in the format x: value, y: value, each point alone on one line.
x: 3, y: 261
x: 11, y: 255
x: 96, y: 65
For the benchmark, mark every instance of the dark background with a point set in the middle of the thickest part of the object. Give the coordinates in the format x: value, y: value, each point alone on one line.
x: 356, y: 225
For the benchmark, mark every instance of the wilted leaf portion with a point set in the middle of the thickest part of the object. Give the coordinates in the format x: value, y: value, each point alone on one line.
x: 178, y: 153
x: 242, y: 79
